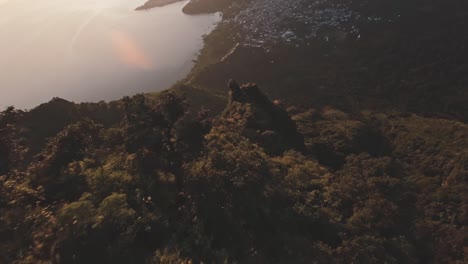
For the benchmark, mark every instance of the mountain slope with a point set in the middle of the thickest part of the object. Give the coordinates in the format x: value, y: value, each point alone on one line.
x: 350, y: 54
x: 255, y: 184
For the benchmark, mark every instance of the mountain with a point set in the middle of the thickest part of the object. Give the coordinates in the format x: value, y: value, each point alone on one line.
x: 350, y: 54
x: 155, y: 183
x: 343, y: 141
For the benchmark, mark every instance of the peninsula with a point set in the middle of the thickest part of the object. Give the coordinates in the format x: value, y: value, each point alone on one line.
x: 156, y: 3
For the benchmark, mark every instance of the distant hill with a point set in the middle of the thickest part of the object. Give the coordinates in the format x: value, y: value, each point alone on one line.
x: 353, y: 55
x: 156, y: 3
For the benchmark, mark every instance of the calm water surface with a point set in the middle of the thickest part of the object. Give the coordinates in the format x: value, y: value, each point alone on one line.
x: 92, y: 50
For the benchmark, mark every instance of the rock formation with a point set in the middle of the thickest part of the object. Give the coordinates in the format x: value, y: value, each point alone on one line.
x: 260, y: 119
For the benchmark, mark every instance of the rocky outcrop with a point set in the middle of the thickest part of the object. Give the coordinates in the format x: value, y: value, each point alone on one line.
x: 259, y: 119
x: 248, y: 93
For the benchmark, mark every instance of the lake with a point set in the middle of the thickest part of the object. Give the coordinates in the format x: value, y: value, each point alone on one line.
x: 93, y: 50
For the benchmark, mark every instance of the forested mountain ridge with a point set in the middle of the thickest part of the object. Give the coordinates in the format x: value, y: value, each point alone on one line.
x: 154, y: 183
x: 350, y: 147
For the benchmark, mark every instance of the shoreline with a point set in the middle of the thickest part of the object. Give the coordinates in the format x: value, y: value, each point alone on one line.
x: 333, y: 68
x: 156, y: 3
x: 193, y: 7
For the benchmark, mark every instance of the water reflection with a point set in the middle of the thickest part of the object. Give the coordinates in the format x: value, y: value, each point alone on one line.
x: 129, y: 51
x: 91, y: 50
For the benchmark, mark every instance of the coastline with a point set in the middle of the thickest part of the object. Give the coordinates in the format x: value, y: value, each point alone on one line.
x: 335, y: 67
x: 156, y: 3
x: 193, y: 7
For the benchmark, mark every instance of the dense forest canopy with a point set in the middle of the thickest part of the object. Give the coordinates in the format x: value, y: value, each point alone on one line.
x: 255, y: 184
x: 353, y: 149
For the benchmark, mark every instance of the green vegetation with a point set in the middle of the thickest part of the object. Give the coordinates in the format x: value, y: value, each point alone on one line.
x: 155, y: 183
x: 353, y: 165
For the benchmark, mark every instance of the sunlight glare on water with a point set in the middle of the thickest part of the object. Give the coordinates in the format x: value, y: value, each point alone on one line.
x: 92, y: 50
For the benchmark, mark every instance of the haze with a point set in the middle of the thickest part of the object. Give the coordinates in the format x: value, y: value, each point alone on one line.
x: 92, y: 50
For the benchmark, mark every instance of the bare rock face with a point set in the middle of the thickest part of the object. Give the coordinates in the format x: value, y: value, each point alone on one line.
x: 234, y: 91
x: 250, y: 110
x: 248, y: 93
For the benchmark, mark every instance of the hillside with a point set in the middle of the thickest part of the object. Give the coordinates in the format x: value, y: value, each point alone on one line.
x: 350, y: 54
x: 145, y: 181
x: 344, y: 140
